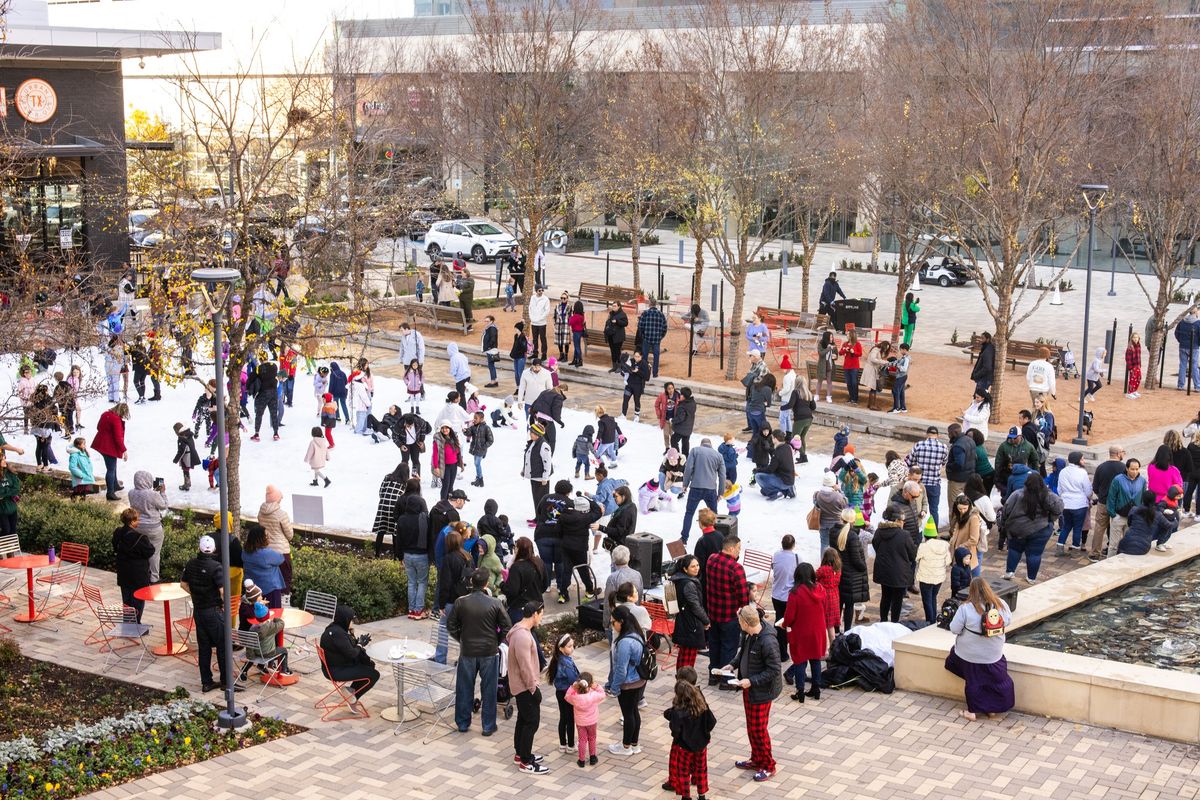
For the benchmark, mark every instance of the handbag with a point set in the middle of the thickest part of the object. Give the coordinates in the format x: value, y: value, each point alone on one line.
x: 814, y: 519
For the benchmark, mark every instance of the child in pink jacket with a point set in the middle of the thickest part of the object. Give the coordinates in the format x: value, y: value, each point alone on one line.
x: 586, y: 695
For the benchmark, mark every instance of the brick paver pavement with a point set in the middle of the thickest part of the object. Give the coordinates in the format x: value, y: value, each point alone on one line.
x: 849, y: 744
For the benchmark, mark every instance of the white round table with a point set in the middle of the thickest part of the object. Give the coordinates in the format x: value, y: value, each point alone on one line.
x: 406, y: 651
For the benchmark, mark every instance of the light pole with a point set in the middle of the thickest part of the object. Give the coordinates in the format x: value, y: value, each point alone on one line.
x: 220, y: 280
x: 1093, y: 194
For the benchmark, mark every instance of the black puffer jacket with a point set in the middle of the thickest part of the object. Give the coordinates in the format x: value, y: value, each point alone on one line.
x: 894, y: 554
x: 854, y: 586
x: 413, y: 535
x: 691, y: 619
x: 685, y: 416
x: 622, y: 522
x: 758, y: 660
x: 342, y: 652
x: 574, y: 525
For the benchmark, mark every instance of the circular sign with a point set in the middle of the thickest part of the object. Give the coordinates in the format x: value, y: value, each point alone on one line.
x: 36, y: 100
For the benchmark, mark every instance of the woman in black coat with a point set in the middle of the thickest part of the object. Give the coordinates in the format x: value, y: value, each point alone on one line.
x: 133, y: 550
x: 527, y: 580
x: 895, y: 552
x: 854, y: 586
x: 692, y: 620
x: 761, y: 448
x: 614, y: 333
x: 624, y: 520
x: 390, y: 492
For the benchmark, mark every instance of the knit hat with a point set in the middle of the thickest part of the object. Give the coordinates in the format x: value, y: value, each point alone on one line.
x: 250, y: 592
x: 849, y: 448
x: 828, y: 480
x: 208, y: 545
x: 583, y: 505
x: 261, y: 611
x: 785, y: 362
x: 1075, y: 457
x: 327, y: 397
x: 653, y: 484
x: 551, y: 362
x: 538, y: 428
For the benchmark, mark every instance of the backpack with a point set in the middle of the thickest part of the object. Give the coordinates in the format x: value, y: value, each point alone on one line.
x: 946, y: 613
x: 993, y: 622
x: 647, y: 668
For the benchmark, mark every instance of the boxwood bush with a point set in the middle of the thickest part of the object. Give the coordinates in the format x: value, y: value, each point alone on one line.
x: 376, y: 588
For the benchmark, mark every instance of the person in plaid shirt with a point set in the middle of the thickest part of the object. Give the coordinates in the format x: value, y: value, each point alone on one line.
x: 726, y: 590
x: 651, y: 329
x: 930, y: 455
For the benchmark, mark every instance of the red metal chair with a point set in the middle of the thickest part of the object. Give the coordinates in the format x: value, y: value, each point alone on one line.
x: 117, y: 622
x: 758, y: 560
x: 662, y: 624
x: 344, y: 691
x: 64, y: 584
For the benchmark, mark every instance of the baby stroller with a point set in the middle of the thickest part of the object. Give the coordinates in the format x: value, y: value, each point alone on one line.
x: 504, y: 696
x: 1067, y: 367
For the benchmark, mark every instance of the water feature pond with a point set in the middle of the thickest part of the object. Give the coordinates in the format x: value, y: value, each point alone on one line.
x: 1154, y: 621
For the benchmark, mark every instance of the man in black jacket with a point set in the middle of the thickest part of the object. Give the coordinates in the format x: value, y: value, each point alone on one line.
x: 345, y: 657
x: 478, y: 622
x: 547, y: 409
x: 637, y: 372
x: 547, y: 534
x: 983, y: 373
x: 960, y: 464
x: 491, y: 348
x: 779, y: 478
x: 266, y: 394
x: 757, y: 667
x: 614, y: 333
x: 575, y: 526
x: 203, y: 580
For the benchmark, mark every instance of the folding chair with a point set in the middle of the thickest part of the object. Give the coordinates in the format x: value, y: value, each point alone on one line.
x: 452, y: 647
x: 343, y: 691
x: 431, y: 691
x: 664, y: 626
x: 252, y: 656
x: 319, y: 604
x: 779, y: 344
x: 758, y: 560
x: 117, y: 623
x: 185, y: 626
x: 65, y: 581
x: 9, y: 546
x: 92, y: 596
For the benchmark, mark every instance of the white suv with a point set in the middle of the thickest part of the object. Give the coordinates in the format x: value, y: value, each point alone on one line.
x: 480, y: 239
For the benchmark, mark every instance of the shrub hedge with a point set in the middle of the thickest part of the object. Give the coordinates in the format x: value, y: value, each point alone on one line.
x: 377, y: 588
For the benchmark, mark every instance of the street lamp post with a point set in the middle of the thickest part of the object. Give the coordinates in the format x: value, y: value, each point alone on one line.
x: 210, y: 278
x: 1093, y: 193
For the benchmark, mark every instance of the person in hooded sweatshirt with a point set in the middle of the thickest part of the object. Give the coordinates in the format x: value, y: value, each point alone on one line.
x: 460, y: 372
x: 494, y: 525
x: 150, y: 502
x: 582, y: 451
x: 339, y: 387
x: 345, y: 658
x: 278, y: 525
x: 487, y: 558
x: 360, y: 401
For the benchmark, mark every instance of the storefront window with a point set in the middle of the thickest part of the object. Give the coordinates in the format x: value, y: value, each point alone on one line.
x: 42, y: 207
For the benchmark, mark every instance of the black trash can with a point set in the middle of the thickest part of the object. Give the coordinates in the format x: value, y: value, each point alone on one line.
x: 858, y: 311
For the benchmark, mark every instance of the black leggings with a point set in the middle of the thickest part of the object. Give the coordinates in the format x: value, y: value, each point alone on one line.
x: 681, y: 442
x: 631, y: 718
x: 42, y: 451
x: 412, y: 457
x: 847, y: 614
x: 890, y: 603
x: 780, y: 632
x: 449, y: 473
x: 566, y: 719
x: 614, y: 350
x: 637, y: 402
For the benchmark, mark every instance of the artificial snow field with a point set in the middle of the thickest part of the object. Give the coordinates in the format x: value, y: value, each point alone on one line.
x: 357, y: 464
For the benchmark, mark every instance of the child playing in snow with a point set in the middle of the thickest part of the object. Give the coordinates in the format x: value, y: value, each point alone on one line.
x: 733, y: 498
x: 868, y: 500
x: 608, y: 437
x: 414, y: 382
x: 212, y: 465
x: 506, y: 415
x: 840, y: 440
x: 185, y: 453
x: 510, y: 291
x: 202, y: 411
x: 329, y: 418
x: 479, y: 436
x: 670, y: 472
x: 652, y: 498
x: 585, y: 696
x: 692, y: 723
x: 320, y: 387
x: 317, y: 455
x: 582, y: 451
x: 729, y: 452
x: 473, y: 402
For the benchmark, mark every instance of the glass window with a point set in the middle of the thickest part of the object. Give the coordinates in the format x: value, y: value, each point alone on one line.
x: 484, y: 229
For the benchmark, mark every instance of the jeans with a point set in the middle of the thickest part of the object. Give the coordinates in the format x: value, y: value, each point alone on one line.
x: 934, y: 492
x: 341, y: 401
x: 518, y: 368
x: 785, y: 420
x: 491, y: 364
x: 772, y: 486
x: 478, y: 467
x: 551, y: 553
x: 416, y: 567
x: 443, y: 644
x: 360, y: 422
x: 656, y: 349
x: 110, y: 474
x: 114, y: 387
x: 577, y: 344
x: 723, y: 640
x: 825, y: 533
x: 1184, y: 358
x: 799, y: 672
x: 289, y: 389
x: 977, y: 570
x: 694, y: 499
x: 929, y: 593
x: 755, y: 421
x: 607, y: 451
x: 1031, y: 548
x: 898, y: 403
x: 487, y: 669
x: 852, y: 383
x: 529, y: 717
x: 1072, y: 522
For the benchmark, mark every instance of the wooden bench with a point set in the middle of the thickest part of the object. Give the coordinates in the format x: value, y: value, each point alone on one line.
x: 1020, y: 353
x: 791, y: 319
x: 603, y: 294
x: 450, y: 316
x: 839, y: 375
x: 594, y: 337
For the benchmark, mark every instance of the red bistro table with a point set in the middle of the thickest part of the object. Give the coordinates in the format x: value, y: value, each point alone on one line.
x: 29, y: 564
x: 292, y: 618
x: 164, y: 593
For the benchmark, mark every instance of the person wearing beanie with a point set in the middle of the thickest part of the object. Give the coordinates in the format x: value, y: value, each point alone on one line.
x: 933, y: 558
x: 203, y: 578
x: 251, y: 594
x: 829, y: 501
x: 519, y: 352
x: 538, y: 463
x: 1075, y: 489
x: 1169, y: 506
x: 270, y: 635
x: 185, y: 453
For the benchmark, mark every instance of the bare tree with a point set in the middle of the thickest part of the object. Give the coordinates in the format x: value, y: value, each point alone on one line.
x: 1015, y: 89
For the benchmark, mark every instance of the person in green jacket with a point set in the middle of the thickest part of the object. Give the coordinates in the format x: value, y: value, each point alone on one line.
x: 10, y: 493
x: 490, y: 561
x: 908, y: 316
x: 466, y: 295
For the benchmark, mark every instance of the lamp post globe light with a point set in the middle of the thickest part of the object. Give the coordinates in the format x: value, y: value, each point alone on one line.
x: 220, y: 280
x: 1093, y: 195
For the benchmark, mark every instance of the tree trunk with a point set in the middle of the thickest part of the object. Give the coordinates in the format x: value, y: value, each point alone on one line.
x: 698, y: 271
x: 1162, y: 305
x: 1000, y: 341
x: 806, y: 260
x: 233, y: 430
x: 635, y: 240
x: 739, y: 299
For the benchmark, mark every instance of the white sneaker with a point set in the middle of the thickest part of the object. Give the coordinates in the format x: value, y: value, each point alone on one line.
x: 567, y: 748
x: 637, y: 748
x: 828, y: 398
x: 1008, y: 576
x: 1031, y: 581
x: 618, y: 749
x: 1162, y: 547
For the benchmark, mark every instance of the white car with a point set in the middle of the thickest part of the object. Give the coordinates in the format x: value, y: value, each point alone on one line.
x: 479, y: 239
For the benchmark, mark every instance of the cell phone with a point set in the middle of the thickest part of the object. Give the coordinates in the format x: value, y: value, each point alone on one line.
x: 160, y: 484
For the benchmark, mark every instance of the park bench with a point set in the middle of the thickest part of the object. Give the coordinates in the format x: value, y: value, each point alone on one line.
x: 839, y: 376
x: 775, y: 317
x: 603, y: 294
x: 450, y: 316
x: 1020, y: 353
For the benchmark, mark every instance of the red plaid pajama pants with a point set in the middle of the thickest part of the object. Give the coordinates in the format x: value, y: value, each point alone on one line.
x: 686, y: 657
x: 757, y: 717
x: 686, y: 768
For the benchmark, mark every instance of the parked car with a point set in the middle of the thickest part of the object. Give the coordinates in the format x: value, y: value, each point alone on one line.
x: 948, y: 272
x: 480, y: 239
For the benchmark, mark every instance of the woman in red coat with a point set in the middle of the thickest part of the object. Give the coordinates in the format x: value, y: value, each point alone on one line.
x: 110, y: 443
x: 804, y: 621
